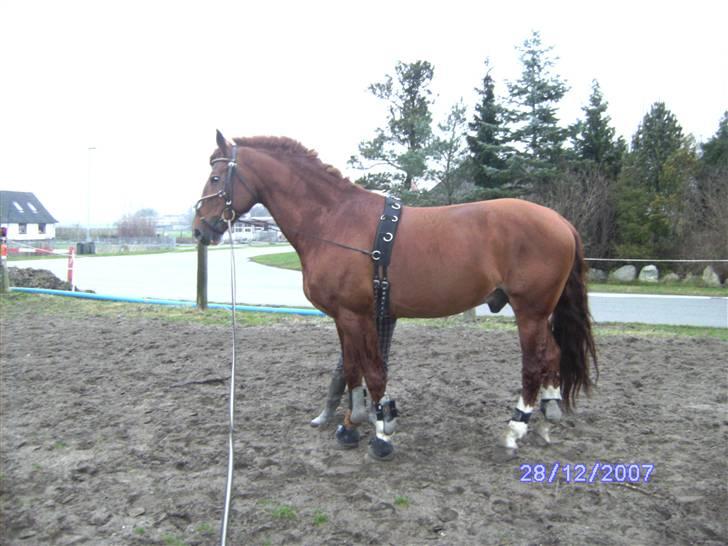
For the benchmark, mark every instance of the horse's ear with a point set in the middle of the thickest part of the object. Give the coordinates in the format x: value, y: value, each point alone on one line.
x: 221, y: 142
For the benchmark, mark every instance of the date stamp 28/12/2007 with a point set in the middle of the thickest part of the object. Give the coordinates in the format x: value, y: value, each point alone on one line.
x: 596, y: 472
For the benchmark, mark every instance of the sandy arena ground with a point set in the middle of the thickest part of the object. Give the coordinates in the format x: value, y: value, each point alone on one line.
x: 113, y: 432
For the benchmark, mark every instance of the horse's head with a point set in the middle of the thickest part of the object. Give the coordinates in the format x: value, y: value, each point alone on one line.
x: 225, y: 197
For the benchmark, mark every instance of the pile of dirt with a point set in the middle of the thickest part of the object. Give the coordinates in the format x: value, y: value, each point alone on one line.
x: 36, y: 278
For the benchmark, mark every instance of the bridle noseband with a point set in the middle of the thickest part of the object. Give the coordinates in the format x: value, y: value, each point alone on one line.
x: 228, y: 214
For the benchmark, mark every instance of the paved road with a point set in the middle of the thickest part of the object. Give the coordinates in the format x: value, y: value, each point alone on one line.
x: 173, y: 276
x: 676, y: 310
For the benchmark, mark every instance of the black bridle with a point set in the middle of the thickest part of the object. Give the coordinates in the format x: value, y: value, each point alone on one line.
x: 228, y: 213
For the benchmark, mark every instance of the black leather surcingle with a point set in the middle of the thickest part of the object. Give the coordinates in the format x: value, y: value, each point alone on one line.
x: 382, y: 254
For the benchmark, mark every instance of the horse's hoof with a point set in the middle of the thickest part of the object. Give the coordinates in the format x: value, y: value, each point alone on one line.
x: 347, y: 438
x: 551, y: 411
x: 381, y: 450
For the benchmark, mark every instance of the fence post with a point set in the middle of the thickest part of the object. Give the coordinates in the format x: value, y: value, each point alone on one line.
x: 71, y: 266
x: 4, y: 277
x: 201, y: 276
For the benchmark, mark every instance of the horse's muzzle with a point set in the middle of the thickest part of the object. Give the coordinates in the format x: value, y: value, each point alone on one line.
x: 210, y: 232
x: 202, y: 238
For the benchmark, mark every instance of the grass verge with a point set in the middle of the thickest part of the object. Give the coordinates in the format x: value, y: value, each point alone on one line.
x: 284, y: 260
x: 16, y: 303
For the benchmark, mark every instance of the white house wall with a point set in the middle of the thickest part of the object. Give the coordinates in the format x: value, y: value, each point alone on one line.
x: 31, y: 233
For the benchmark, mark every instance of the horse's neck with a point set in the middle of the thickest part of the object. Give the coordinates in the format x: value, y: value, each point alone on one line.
x: 301, y: 208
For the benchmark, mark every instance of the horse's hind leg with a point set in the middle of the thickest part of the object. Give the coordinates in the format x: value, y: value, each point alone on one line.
x: 333, y: 397
x: 337, y: 385
x: 539, y: 353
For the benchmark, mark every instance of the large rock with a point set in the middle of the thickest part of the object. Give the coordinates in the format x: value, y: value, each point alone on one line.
x: 596, y: 275
x: 649, y: 273
x: 626, y: 273
x: 671, y: 278
x: 710, y: 277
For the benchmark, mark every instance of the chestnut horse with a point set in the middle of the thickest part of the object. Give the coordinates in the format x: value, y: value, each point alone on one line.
x: 445, y: 260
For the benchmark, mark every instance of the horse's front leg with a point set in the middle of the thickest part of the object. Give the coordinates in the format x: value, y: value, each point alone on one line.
x: 359, y: 343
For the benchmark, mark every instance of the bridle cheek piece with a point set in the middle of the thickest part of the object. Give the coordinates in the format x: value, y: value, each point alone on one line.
x: 228, y: 213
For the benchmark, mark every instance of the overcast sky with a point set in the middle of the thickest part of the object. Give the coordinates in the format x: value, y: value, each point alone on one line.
x: 147, y: 82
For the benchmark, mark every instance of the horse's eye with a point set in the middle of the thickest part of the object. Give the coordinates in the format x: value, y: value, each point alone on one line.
x: 215, y: 179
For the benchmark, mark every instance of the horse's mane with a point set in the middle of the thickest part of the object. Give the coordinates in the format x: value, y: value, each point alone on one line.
x: 288, y: 146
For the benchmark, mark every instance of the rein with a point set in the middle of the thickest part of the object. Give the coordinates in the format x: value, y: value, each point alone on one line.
x: 231, y: 426
x: 267, y: 226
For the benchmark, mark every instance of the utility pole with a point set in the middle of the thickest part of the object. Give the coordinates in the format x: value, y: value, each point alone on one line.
x: 88, y: 196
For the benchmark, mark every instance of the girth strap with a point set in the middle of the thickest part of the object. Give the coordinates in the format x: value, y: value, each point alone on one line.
x: 382, y: 253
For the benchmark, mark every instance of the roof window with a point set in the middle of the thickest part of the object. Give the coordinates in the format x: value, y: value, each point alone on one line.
x: 18, y: 207
x: 32, y: 207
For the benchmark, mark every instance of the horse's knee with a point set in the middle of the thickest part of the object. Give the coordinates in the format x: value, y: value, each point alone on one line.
x: 376, y: 380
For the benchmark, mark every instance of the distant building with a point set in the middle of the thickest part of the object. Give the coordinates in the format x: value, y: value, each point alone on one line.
x: 25, y: 217
x: 173, y: 224
x: 244, y: 232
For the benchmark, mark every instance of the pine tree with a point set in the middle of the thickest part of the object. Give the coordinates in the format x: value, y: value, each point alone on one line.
x: 488, y: 151
x: 652, y: 185
x: 715, y: 151
x: 404, y: 143
x: 593, y: 138
x: 534, y: 99
x: 657, y: 138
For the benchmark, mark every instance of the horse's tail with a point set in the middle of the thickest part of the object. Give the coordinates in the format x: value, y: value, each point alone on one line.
x: 571, y: 323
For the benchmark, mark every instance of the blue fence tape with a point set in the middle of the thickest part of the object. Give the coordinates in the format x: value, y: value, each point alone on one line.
x: 177, y: 303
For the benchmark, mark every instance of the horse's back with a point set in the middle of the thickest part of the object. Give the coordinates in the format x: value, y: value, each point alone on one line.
x: 460, y: 253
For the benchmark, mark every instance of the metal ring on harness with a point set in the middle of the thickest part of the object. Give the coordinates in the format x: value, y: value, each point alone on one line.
x: 395, y: 218
x: 231, y: 211
x: 376, y: 255
x: 396, y: 206
x: 387, y: 237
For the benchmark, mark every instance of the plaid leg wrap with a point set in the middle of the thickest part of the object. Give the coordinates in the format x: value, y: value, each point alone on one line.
x: 385, y: 331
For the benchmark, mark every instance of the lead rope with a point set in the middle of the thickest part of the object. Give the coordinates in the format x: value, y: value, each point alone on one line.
x: 231, y: 430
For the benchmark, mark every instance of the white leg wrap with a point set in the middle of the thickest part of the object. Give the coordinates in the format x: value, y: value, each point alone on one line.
x: 523, y: 407
x: 549, y: 403
x: 550, y: 393
x: 516, y: 429
x: 359, y: 411
x: 322, y: 419
x: 381, y: 434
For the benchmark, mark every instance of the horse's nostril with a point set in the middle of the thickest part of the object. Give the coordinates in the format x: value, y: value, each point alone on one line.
x: 198, y: 234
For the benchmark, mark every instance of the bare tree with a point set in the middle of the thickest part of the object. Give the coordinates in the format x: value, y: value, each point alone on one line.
x: 584, y: 198
x: 142, y: 223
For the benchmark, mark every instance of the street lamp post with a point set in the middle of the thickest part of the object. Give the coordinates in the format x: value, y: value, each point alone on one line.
x: 88, y: 196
